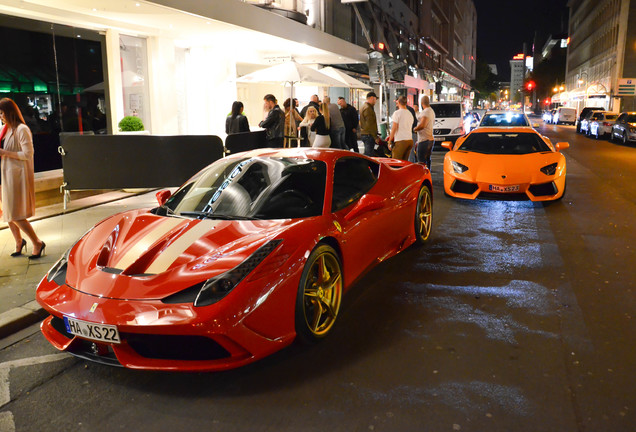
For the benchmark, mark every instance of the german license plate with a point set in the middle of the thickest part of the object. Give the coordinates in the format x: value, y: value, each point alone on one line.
x: 99, y: 332
x: 498, y: 188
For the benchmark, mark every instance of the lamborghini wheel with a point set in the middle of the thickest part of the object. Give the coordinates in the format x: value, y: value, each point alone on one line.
x: 423, y: 215
x: 319, y: 294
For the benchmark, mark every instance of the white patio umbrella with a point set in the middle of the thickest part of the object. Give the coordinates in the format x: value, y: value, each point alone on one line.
x: 291, y: 73
x: 346, y: 79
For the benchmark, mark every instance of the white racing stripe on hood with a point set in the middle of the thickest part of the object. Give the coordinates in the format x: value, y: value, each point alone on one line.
x: 174, y: 250
x: 158, y: 231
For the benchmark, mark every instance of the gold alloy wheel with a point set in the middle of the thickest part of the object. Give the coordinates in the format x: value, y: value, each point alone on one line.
x: 322, y: 293
x: 423, y: 215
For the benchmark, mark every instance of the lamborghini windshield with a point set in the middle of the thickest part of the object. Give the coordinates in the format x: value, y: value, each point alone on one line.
x: 252, y: 188
x: 509, y: 143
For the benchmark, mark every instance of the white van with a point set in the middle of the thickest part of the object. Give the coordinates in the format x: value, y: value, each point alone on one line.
x: 449, y: 121
x: 564, y: 115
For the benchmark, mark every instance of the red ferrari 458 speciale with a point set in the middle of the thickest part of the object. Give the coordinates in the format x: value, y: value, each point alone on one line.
x: 252, y: 252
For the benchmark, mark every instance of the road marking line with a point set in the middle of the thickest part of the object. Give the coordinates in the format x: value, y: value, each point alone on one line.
x: 7, y: 424
x: 34, y: 360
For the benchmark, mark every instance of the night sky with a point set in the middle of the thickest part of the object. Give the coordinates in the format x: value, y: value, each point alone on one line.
x: 504, y: 25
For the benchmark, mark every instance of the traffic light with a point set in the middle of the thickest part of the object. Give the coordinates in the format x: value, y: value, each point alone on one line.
x: 381, y: 47
x: 530, y: 85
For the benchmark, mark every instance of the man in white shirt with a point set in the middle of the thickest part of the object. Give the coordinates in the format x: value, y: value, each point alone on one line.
x: 401, y: 138
x: 424, y: 129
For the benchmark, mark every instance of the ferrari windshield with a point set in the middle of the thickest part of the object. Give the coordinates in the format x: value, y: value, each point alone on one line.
x: 252, y: 188
x: 509, y: 143
x: 509, y: 118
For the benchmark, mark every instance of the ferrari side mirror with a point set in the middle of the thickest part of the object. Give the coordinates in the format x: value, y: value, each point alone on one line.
x: 562, y: 146
x: 447, y: 145
x: 162, y: 196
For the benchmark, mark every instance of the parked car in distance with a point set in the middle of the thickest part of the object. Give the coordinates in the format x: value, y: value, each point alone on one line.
x: 585, y: 122
x: 449, y: 121
x: 564, y: 115
x: 624, y: 128
x: 602, y: 124
x: 584, y: 112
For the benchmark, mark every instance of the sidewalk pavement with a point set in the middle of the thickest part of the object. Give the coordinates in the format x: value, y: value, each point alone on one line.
x: 59, y: 229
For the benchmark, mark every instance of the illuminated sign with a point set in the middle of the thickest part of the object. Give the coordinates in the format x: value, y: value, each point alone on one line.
x: 518, y: 57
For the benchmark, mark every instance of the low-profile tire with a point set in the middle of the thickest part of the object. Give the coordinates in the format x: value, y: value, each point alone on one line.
x: 423, y: 220
x: 565, y: 188
x: 319, y: 294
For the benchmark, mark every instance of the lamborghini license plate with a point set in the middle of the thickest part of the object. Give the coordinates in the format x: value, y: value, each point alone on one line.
x: 98, y: 332
x: 497, y: 188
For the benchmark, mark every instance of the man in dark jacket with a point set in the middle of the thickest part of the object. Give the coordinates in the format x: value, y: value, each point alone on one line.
x: 274, y: 124
x: 313, y: 102
x: 350, y: 117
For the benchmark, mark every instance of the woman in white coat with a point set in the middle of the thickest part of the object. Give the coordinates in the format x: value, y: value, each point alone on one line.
x: 18, y: 182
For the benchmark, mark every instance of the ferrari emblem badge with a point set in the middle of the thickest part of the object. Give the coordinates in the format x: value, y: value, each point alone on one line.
x: 337, y: 225
x: 93, y: 308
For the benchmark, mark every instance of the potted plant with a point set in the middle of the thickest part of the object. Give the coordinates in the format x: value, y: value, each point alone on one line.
x: 132, y: 124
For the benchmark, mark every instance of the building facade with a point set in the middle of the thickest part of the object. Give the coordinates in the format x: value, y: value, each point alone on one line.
x: 175, y: 63
x: 602, y: 50
x: 517, y: 76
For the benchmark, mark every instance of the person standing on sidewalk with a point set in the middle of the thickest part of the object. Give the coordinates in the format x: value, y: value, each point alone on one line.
x: 274, y: 123
x: 321, y: 127
x: 401, y: 135
x: 18, y: 178
x: 350, y: 118
x: 424, y: 129
x: 369, y: 124
x: 336, y: 125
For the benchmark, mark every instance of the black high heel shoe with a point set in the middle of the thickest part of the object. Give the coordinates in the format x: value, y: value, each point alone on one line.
x: 39, y: 254
x: 22, y: 248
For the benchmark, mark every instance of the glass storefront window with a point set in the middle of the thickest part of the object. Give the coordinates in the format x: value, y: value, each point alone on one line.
x: 55, y: 75
x: 134, y: 69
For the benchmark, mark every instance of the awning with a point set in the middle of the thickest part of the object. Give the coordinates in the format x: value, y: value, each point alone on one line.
x: 347, y: 80
x: 255, y: 34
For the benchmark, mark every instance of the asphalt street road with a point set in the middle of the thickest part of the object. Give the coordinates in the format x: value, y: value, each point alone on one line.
x: 514, y: 317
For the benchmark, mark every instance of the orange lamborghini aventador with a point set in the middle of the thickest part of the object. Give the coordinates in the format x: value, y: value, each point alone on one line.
x: 505, y: 163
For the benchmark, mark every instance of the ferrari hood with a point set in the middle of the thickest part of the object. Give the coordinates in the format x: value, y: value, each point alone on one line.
x: 506, y: 169
x: 137, y: 254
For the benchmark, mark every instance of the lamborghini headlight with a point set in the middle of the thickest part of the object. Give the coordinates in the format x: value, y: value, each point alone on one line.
x: 459, y: 168
x: 549, y: 169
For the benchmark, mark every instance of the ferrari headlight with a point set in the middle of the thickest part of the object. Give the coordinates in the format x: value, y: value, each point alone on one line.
x: 214, y: 289
x: 459, y: 168
x: 549, y: 169
x: 57, y: 273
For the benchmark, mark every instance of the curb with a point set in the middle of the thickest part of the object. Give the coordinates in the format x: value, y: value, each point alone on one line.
x: 20, y: 317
